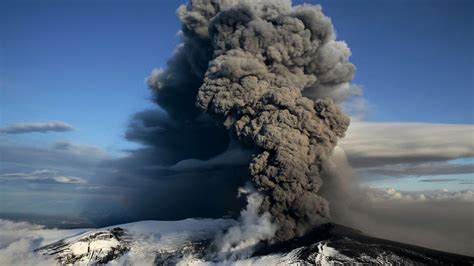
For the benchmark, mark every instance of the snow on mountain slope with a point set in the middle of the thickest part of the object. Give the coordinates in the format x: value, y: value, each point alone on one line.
x: 190, y: 242
x: 144, y: 241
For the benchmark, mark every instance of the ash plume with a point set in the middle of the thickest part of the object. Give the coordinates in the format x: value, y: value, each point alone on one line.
x: 270, y: 74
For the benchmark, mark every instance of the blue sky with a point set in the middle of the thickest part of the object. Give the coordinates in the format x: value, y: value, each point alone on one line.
x: 71, y: 62
x: 84, y: 63
x: 414, y: 58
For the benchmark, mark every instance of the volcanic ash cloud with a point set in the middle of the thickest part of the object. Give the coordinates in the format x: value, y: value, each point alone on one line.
x: 271, y: 74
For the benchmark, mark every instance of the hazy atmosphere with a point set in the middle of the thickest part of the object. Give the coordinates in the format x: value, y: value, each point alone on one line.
x: 278, y: 116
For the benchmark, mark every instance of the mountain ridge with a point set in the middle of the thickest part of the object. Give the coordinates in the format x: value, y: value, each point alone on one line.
x: 190, y: 242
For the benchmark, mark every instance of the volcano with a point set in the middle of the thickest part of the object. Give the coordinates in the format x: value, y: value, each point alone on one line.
x: 190, y: 242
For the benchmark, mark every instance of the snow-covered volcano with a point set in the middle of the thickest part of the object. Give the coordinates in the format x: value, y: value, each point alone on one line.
x: 190, y: 242
x: 145, y: 242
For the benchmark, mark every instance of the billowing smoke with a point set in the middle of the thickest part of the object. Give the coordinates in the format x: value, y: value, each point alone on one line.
x: 270, y: 74
x: 396, y: 215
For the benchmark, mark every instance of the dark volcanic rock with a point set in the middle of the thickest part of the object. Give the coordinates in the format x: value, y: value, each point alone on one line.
x: 353, y: 246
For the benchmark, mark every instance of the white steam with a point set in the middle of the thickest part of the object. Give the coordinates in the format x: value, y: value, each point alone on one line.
x: 240, y: 240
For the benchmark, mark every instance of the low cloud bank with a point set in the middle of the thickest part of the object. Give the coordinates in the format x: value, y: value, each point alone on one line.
x: 375, y: 144
x: 57, y: 162
x: 382, y: 150
x: 19, y: 239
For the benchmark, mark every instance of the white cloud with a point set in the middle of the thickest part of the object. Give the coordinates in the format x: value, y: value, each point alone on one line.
x: 418, y: 169
x: 407, y: 142
x: 79, y: 149
x: 69, y: 179
x: 42, y: 127
x: 41, y: 176
x: 421, y: 196
x: 400, y: 149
